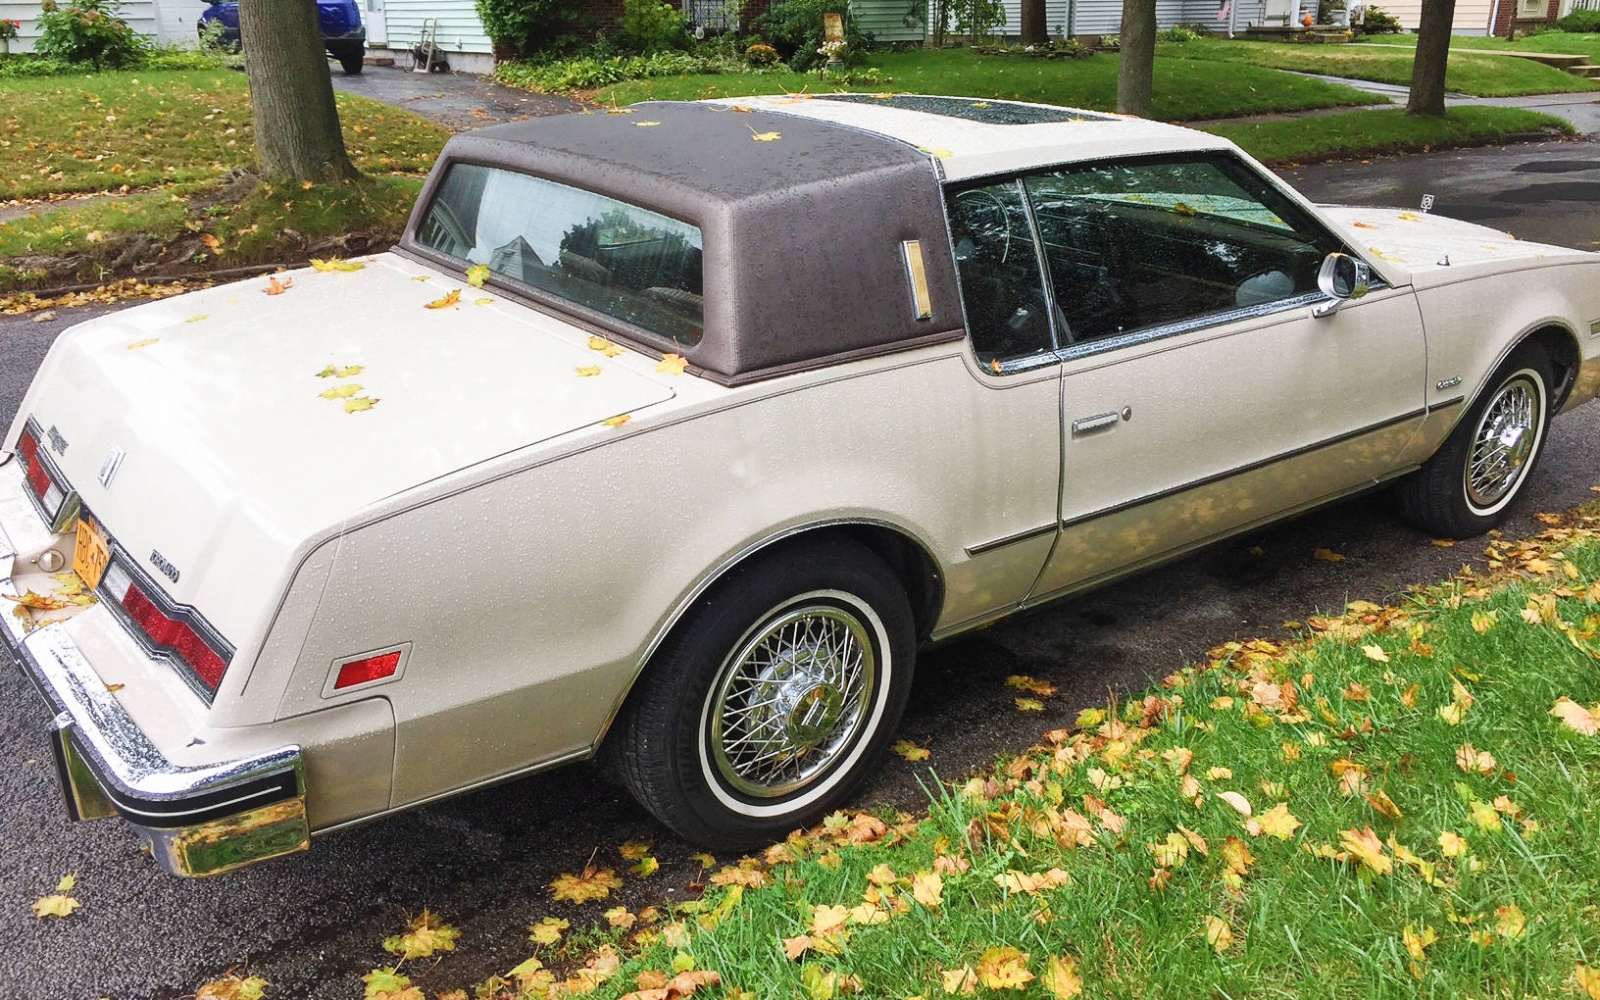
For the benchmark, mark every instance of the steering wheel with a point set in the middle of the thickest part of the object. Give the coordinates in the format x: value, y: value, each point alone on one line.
x: 986, y: 220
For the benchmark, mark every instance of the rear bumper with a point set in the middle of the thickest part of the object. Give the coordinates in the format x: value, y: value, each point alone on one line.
x: 199, y: 820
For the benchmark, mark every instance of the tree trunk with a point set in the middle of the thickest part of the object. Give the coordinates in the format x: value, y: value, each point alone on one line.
x: 291, y: 92
x: 1433, y: 54
x: 1137, y: 63
x: 1034, y: 31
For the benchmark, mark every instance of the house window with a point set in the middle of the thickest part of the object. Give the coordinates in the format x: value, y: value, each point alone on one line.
x: 1532, y: 8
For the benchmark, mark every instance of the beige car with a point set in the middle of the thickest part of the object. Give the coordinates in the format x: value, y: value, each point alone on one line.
x: 670, y: 435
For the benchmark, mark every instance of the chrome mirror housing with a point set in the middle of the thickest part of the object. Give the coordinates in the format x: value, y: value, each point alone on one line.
x: 1341, y: 278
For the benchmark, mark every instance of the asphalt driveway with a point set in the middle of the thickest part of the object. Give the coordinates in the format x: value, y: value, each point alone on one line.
x: 458, y: 101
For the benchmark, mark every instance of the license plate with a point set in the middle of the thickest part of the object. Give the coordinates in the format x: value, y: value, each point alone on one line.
x: 91, y: 554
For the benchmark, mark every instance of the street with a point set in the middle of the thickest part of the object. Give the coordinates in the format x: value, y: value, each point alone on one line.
x: 313, y: 924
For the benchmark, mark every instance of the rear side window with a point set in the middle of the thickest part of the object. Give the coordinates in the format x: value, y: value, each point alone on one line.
x: 617, y: 259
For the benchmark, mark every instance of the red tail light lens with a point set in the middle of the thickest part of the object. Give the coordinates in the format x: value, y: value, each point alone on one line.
x: 370, y: 669
x: 49, y: 494
x: 173, y: 632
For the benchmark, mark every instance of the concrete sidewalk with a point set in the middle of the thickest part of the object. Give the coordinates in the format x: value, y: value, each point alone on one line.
x: 1581, y: 109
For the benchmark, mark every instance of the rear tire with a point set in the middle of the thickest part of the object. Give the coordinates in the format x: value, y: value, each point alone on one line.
x: 1469, y: 484
x: 773, y: 698
x: 350, y: 60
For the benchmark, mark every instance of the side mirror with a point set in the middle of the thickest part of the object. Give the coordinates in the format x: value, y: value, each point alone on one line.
x: 1341, y: 278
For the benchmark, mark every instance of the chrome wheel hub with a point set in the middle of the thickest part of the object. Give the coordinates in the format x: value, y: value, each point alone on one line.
x: 1505, y: 439
x: 791, y: 700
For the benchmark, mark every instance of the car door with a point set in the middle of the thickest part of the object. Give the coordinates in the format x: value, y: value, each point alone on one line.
x: 1200, y: 396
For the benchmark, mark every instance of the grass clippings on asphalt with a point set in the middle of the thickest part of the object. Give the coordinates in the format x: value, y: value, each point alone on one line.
x: 1350, y: 134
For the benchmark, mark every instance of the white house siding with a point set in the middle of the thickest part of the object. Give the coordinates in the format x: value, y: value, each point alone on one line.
x: 885, y: 20
x: 1472, y: 16
x: 460, y: 34
x: 167, y: 21
x: 1104, y: 17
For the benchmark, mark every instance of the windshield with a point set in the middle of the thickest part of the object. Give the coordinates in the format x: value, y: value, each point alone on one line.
x: 617, y: 259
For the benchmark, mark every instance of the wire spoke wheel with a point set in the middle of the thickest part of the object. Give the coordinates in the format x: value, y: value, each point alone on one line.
x: 1503, y: 442
x: 791, y: 699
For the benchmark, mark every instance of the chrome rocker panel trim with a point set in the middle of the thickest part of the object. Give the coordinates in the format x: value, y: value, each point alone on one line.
x: 197, y: 820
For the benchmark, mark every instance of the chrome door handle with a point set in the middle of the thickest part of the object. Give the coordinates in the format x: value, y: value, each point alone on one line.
x: 1100, y: 421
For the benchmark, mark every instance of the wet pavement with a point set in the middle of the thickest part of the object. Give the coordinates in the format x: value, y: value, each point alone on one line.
x: 458, y: 101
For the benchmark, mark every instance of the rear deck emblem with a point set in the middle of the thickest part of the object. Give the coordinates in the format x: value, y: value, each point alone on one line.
x: 168, y: 570
x: 109, y: 467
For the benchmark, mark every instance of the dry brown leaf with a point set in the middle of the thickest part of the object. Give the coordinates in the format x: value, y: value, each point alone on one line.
x: 276, y: 287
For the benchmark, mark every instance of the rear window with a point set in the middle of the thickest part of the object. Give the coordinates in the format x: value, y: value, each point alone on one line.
x: 617, y: 259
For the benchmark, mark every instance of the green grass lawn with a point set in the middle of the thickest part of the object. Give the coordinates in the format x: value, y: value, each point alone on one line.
x: 1468, y: 73
x: 1391, y: 130
x: 1185, y: 89
x: 1400, y: 804
x: 62, y: 135
x: 1577, y: 43
x: 167, y: 144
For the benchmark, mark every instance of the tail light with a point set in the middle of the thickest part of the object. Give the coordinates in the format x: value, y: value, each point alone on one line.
x: 175, y: 633
x: 46, y: 487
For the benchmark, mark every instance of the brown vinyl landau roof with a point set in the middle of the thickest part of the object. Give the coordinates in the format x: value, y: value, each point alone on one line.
x: 802, y: 233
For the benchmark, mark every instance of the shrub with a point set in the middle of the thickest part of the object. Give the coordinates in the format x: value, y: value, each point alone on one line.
x: 1378, y: 21
x: 1580, y: 20
x: 1179, y: 34
x: 593, y: 72
x: 652, y: 26
x: 88, y: 31
x: 525, y: 27
x: 794, y: 27
x: 761, y: 56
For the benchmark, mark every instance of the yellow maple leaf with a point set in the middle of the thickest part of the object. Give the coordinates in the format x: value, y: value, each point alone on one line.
x: 1029, y: 705
x: 276, y: 287
x: 336, y: 265
x: 962, y: 980
x: 390, y: 984
x: 765, y: 136
x: 1275, y: 822
x: 196, y: 318
x: 1004, y: 968
x: 1417, y: 942
x: 1510, y: 921
x: 483, y: 302
x: 588, y: 371
x: 672, y: 364
x: 340, y: 371
x: 1219, y: 773
x: 828, y: 921
x: 1326, y: 555
x: 1032, y: 685
x: 1452, y: 845
x: 423, y: 936
x: 477, y: 274
x: 620, y: 917
x: 927, y: 888
x: 591, y: 883
x: 38, y: 602
x: 604, y: 346
x: 645, y: 124
x: 1218, y: 934
x: 57, y: 905
x: 1575, y: 717
x: 547, y: 931
x: 634, y: 850
x: 231, y: 987
x: 617, y: 421
x: 1366, y: 848
x: 1409, y: 217
x: 341, y: 391
x: 1483, y: 621
x: 1470, y: 759
x: 1060, y: 978
x: 910, y: 751
x: 1588, y: 980
x: 646, y: 867
x: 1375, y: 652
x: 882, y: 875
x: 445, y: 301
x: 146, y: 342
x: 360, y: 404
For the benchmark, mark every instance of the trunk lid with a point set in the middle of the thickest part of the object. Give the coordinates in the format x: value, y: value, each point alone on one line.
x: 228, y: 422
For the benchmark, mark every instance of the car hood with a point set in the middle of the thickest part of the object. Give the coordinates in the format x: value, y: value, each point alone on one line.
x: 1420, y: 244
x: 248, y: 422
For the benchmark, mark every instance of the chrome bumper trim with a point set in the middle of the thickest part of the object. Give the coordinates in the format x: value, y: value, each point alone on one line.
x: 198, y: 820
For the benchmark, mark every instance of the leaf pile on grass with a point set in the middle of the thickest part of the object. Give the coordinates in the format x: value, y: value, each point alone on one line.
x: 1402, y: 803
x: 1366, y: 133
